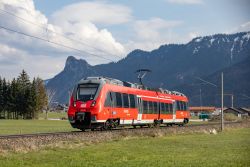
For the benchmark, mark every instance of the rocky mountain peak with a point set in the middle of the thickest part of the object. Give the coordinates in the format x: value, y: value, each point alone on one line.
x: 73, y: 64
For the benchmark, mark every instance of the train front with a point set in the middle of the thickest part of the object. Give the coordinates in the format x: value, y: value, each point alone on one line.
x: 83, y: 106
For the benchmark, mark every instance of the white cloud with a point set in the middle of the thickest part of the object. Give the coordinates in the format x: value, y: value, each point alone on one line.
x: 192, y: 35
x: 191, y: 2
x: 45, y: 59
x: 148, y: 29
x: 98, y: 12
x: 242, y: 28
x: 13, y: 60
x: 150, y: 34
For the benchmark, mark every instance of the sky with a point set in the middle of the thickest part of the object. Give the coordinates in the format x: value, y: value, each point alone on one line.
x: 39, y: 35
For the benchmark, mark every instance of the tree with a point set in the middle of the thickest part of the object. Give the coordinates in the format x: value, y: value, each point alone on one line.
x: 42, y: 99
x: 1, y: 99
x: 50, y: 96
x: 5, y: 96
x: 13, y: 98
x: 32, y: 101
x: 23, y: 83
x: 22, y: 98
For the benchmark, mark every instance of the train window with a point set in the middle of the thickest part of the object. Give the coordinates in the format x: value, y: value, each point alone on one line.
x: 170, y: 108
x: 155, y: 108
x: 150, y: 107
x: 184, y: 106
x: 132, y: 101
x: 181, y: 106
x: 118, y: 99
x: 145, y: 107
x: 167, y: 108
x: 125, y: 100
x: 86, y: 92
x: 108, y: 100
x: 187, y: 106
x: 163, y: 108
x: 178, y: 105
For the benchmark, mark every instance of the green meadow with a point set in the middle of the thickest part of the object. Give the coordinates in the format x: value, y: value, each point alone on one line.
x: 230, y: 148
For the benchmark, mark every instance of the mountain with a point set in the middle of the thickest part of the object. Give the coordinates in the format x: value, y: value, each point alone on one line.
x: 171, y: 65
x: 62, y: 84
x: 236, y: 79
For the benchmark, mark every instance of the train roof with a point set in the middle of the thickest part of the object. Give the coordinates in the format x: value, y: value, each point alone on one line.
x: 101, y: 79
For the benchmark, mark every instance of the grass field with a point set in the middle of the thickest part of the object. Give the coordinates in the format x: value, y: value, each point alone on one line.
x: 53, y: 115
x: 8, y: 127
x: 33, y: 126
x: 230, y: 148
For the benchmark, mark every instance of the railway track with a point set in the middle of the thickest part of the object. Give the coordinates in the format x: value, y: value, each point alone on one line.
x: 16, y: 136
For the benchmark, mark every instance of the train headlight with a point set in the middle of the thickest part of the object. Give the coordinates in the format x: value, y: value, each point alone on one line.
x: 93, y: 103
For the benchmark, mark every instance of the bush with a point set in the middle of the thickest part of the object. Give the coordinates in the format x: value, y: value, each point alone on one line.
x: 231, y: 117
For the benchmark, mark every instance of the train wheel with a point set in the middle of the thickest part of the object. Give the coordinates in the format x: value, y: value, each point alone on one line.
x: 185, y: 121
x: 134, y: 126
x: 107, y: 125
x: 83, y: 129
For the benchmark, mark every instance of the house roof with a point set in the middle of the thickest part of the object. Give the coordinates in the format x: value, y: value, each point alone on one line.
x: 245, y: 110
x: 238, y: 110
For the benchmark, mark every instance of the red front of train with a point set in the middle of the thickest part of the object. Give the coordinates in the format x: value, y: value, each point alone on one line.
x: 99, y: 102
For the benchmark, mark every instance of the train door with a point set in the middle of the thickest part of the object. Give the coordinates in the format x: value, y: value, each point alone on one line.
x: 109, y: 102
x: 174, y: 110
x: 113, y: 102
x: 140, y: 109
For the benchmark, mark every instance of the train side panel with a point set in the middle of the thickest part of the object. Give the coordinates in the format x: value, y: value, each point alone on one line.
x: 149, y: 106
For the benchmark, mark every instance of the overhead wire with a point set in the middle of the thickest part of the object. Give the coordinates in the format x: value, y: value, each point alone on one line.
x: 46, y: 29
x: 55, y: 43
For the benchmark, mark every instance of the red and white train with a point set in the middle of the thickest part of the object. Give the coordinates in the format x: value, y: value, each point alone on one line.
x: 100, y: 102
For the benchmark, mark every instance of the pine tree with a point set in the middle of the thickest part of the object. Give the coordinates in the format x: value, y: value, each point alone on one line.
x: 13, y: 98
x: 23, y: 83
x: 33, y: 100
x: 22, y: 98
x: 1, y: 99
x: 5, y: 95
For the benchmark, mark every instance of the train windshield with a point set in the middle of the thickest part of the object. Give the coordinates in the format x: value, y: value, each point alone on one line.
x: 86, y: 92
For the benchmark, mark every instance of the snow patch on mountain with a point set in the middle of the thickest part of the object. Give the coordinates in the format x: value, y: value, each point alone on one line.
x: 246, y: 36
x: 212, y: 40
x: 199, y: 39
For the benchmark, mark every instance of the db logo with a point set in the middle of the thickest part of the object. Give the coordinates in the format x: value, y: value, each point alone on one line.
x: 83, y: 105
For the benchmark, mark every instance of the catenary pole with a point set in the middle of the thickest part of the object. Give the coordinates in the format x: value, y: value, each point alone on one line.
x: 222, y: 101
